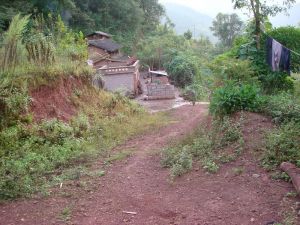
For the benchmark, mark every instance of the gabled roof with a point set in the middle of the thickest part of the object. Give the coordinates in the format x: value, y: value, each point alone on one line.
x: 100, y: 33
x: 99, y: 57
x: 106, y: 44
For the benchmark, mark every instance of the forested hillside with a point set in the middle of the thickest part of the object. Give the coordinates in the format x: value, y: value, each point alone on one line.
x: 128, y: 20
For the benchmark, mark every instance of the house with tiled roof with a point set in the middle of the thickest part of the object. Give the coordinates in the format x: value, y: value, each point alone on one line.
x: 119, y: 73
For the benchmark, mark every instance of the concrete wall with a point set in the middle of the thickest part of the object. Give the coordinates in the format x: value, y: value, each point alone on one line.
x: 120, y: 82
x: 124, y: 78
x: 160, y: 91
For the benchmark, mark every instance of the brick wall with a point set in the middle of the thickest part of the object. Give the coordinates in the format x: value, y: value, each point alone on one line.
x: 160, y: 91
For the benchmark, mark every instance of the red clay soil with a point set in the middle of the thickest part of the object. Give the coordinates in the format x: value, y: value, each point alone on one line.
x: 54, y: 101
x: 139, y: 184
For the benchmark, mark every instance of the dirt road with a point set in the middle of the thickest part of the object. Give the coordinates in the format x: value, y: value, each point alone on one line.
x: 138, y: 190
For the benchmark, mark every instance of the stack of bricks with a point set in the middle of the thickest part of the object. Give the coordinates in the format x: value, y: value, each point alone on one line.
x: 160, y: 91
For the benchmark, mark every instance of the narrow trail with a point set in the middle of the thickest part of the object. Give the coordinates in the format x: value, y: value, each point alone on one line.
x: 139, y: 184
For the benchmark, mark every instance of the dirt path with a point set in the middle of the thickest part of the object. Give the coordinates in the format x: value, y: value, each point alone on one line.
x: 139, y: 184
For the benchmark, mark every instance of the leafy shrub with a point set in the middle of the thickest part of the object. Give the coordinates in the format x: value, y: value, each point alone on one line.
x: 81, y: 125
x: 170, y: 156
x: 211, y: 166
x: 28, y: 153
x: 274, y: 82
x: 232, y: 98
x: 204, y: 146
x: 183, y: 163
x: 283, y: 107
x: 13, y: 102
x: 182, y: 69
x: 297, y: 85
x: 178, y: 158
x: 239, y: 71
x: 201, y: 85
x: 282, y: 145
x: 226, y: 131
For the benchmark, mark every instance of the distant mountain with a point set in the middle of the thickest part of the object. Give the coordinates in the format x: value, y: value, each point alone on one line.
x: 186, y: 18
x: 293, y: 19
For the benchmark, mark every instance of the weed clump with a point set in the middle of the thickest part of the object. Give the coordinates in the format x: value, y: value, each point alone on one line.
x: 282, y: 145
x: 207, y: 147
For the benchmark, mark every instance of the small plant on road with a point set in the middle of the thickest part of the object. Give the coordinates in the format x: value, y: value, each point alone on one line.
x: 205, y: 146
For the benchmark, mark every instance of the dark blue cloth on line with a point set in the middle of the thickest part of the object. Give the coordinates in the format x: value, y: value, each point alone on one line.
x: 285, y: 61
x: 269, y: 43
x: 278, y: 57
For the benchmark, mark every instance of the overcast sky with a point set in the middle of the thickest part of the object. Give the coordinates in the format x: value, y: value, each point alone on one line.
x: 209, y: 7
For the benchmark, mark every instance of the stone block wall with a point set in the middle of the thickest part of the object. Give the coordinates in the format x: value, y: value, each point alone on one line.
x: 160, y: 91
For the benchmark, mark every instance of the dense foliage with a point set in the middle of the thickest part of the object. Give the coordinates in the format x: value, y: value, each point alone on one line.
x: 127, y: 20
x: 244, y: 81
x: 233, y: 98
x: 282, y: 145
x: 182, y: 68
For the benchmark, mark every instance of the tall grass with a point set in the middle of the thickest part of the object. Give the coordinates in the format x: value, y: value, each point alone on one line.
x: 12, y: 42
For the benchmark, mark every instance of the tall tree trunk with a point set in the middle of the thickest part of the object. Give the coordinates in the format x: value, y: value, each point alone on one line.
x: 255, y: 5
x: 257, y: 24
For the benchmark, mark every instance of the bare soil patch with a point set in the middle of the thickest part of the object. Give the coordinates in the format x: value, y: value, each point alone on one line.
x: 54, y: 101
x: 139, y: 184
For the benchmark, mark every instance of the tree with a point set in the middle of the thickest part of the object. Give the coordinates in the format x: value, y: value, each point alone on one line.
x: 153, y: 11
x: 183, y: 68
x: 226, y: 27
x: 261, y: 10
x: 188, y: 35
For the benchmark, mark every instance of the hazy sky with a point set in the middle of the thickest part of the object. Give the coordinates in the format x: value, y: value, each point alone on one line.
x: 209, y: 7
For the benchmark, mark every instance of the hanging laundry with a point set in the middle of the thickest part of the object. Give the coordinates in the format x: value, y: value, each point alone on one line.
x: 269, y: 51
x: 278, y: 56
x: 285, y: 61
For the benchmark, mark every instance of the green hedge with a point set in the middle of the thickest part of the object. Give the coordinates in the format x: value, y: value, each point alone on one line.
x: 232, y: 98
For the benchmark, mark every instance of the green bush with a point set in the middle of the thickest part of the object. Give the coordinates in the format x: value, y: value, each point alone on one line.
x: 232, y: 98
x: 274, y: 82
x: 282, y: 145
x: 182, y: 69
x: 239, y: 71
x: 28, y: 153
x: 283, y: 107
x: 179, y: 159
x: 13, y: 102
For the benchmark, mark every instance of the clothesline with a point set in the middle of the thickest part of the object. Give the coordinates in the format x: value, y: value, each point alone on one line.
x: 296, y: 53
